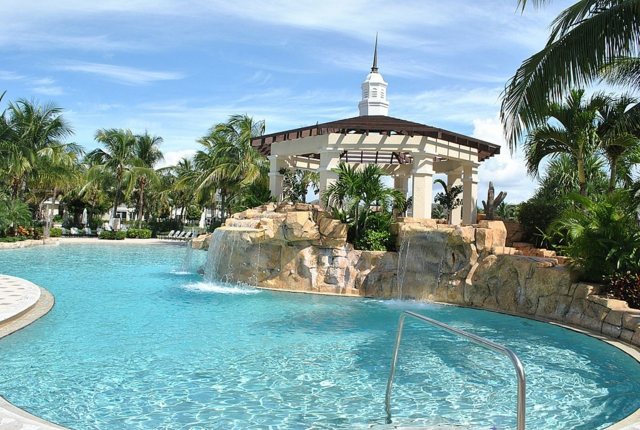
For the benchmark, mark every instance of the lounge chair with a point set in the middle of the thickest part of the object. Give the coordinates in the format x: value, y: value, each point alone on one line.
x: 65, y: 232
x: 89, y: 232
x: 167, y: 236
x: 75, y: 232
x: 175, y: 235
x: 180, y: 236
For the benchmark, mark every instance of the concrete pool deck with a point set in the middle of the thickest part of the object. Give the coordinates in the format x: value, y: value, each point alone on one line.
x: 23, y: 302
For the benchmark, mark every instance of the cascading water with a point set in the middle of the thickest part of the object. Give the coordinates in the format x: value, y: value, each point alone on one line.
x: 445, y: 254
x: 403, y: 253
x: 187, y: 260
x: 216, y: 249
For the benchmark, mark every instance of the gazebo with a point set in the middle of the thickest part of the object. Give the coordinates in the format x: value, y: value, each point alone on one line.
x: 406, y: 150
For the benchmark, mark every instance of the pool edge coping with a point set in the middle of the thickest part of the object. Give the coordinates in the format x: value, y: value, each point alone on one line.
x: 46, y: 301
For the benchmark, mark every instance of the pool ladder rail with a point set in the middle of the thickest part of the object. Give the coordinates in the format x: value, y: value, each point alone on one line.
x: 517, y: 364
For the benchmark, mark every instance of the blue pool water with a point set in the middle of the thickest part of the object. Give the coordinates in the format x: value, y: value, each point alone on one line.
x: 134, y: 344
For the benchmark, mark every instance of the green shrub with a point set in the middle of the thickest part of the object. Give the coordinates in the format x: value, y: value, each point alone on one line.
x: 536, y: 215
x: 165, y: 225
x: 55, y: 232
x: 37, y: 233
x: 624, y: 286
x: 113, y: 235
x: 374, y: 240
x: 601, y: 236
x: 377, y: 233
x: 12, y: 239
x: 139, y: 233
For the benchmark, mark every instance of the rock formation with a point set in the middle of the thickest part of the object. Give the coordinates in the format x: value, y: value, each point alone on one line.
x: 301, y: 248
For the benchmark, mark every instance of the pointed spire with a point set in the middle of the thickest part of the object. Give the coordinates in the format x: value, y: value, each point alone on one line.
x: 374, y: 68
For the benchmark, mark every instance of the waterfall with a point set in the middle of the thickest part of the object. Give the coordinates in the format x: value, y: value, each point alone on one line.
x: 187, y: 260
x: 445, y: 254
x: 219, y: 250
x: 403, y: 253
x: 216, y: 249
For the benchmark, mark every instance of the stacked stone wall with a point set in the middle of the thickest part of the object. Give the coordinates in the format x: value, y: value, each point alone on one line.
x: 301, y: 248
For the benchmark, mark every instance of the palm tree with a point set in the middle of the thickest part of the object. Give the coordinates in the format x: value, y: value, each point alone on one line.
x: 58, y: 172
x: 357, y: 193
x: 570, y: 128
x: 585, y: 38
x: 296, y: 183
x: 186, y: 184
x: 617, y: 132
x: 13, y: 213
x: 228, y: 163
x: 116, y: 160
x: 147, y: 155
x: 31, y: 133
x: 561, y: 177
x: 448, y: 199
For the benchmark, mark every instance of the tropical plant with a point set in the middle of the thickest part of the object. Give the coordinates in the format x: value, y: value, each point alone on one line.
x: 146, y: 155
x: 601, y: 236
x: 229, y: 165
x: 357, y: 195
x: 617, y: 132
x: 186, y: 182
x: 623, y: 286
x: 13, y: 213
x: 585, y: 38
x: 296, y: 183
x: 448, y: 199
x: 570, y: 129
x: 31, y: 139
x: 506, y: 211
x: 115, y: 163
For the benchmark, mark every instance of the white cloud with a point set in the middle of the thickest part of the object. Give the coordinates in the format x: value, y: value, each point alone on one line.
x: 122, y: 74
x: 507, y: 172
x: 6, y: 75
x: 450, y: 104
x: 50, y: 90
x: 171, y: 158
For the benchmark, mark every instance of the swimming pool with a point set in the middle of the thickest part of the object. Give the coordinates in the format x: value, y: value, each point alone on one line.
x: 132, y: 343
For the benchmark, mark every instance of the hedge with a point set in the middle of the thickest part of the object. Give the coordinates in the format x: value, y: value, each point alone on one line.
x: 139, y: 233
x: 55, y: 232
x: 112, y: 235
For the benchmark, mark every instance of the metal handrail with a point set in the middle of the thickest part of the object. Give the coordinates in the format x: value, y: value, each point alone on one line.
x: 517, y: 364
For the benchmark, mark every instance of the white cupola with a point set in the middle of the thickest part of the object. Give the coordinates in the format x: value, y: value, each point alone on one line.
x: 374, y: 91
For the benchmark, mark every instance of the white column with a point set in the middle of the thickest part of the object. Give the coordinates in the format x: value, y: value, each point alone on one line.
x: 470, y: 194
x: 422, y: 186
x: 454, y: 179
x: 275, y: 177
x: 329, y: 160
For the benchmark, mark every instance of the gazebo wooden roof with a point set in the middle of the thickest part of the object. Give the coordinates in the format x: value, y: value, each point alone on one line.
x: 384, y: 125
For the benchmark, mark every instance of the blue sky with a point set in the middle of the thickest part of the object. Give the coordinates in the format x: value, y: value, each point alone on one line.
x: 175, y: 68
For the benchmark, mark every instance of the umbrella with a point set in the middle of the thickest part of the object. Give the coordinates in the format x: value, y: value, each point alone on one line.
x: 203, y: 219
x: 85, y: 217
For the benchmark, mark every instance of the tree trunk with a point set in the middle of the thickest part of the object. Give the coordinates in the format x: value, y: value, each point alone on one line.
x: 115, y: 202
x: 613, y: 168
x: 141, y: 201
x: 223, y: 198
x: 15, y: 188
x: 582, y: 178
